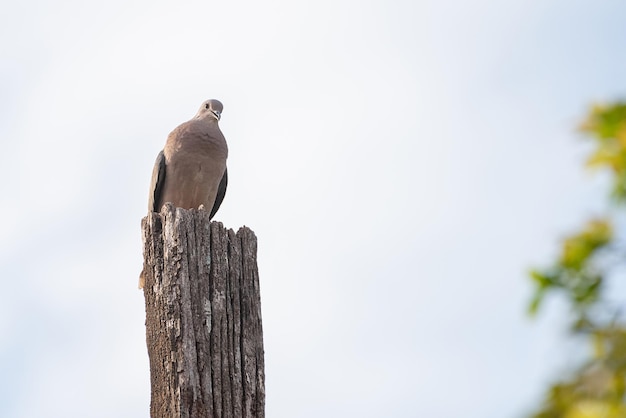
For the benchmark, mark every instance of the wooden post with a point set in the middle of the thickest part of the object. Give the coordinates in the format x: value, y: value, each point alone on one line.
x: 203, y: 317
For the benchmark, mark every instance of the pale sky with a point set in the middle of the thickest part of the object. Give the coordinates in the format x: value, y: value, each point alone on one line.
x: 403, y: 164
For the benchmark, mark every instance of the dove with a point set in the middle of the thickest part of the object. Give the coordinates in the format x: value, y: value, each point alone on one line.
x: 190, y: 171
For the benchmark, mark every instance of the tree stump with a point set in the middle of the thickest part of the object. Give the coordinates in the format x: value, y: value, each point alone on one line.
x: 203, y: 317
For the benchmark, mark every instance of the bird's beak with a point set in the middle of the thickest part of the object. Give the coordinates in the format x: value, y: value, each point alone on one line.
x: 216, y: 113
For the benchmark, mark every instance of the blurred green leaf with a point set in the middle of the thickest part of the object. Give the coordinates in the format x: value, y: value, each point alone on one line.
x: 536, y: 300
x: 574, y: 273
x: 606, y: 125
x: 542, y: 280
x: 605, y: 121
x: 578, y: 248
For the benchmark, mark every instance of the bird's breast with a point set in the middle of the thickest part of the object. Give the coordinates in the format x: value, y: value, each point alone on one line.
x: 195, y: 165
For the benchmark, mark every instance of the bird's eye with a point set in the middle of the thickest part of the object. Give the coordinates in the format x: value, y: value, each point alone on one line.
x: 206, y: 105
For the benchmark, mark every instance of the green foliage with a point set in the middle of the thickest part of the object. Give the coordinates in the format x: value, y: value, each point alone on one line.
x: 606, y: 126
x: 576, y: 273
x: 596, y: 389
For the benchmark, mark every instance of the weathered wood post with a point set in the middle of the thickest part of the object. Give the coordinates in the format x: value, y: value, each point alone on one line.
x: 203, y: 317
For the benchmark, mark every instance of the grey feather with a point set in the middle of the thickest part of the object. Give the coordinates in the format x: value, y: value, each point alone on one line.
x: 221, y: 192
x: 156, y: 184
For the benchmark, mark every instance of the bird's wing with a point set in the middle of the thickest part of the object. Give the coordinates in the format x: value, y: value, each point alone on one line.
x: 221, y: 191
x: 156, y: 184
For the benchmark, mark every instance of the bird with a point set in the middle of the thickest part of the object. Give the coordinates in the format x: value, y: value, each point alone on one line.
x: 191, y: 171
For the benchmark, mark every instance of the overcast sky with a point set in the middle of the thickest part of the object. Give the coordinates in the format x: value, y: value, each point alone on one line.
x: 403, y: 164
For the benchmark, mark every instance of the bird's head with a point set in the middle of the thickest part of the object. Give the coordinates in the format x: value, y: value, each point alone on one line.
x: 210, y: 108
